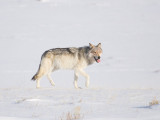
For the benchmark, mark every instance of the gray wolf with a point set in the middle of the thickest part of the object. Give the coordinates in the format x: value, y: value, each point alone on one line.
x: 68, y: 58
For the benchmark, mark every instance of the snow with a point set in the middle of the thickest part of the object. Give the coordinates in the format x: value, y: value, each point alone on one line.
x: 122, y: 85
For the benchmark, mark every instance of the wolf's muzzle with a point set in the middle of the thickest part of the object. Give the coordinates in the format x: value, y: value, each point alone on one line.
x: 97, y: 59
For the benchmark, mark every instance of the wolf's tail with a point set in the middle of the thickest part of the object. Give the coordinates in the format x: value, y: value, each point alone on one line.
x: 35, y: 77
x: 43, y: 67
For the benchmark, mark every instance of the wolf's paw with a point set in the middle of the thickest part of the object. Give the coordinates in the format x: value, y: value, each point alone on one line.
x: 38, y: 87
x: 87, y: 85
x: 78, y: 88
x: 53, y: 84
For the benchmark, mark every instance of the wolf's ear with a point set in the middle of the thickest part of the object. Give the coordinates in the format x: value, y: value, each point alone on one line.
x: 99, y: 45
x: 90, y: 45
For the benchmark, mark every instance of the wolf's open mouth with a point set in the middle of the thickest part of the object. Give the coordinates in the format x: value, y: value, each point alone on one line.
x: 97, y: 60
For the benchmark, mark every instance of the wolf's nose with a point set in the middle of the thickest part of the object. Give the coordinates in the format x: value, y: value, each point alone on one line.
x: 99, y: 57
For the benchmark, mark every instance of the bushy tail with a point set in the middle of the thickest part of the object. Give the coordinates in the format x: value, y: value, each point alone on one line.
x: 42, y: 69
x: 35, y: 77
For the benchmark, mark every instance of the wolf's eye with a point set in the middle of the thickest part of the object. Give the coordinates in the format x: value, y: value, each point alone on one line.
x: 94, y: 52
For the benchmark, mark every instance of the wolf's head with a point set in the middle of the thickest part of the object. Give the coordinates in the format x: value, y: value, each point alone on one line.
x: 95, y: 52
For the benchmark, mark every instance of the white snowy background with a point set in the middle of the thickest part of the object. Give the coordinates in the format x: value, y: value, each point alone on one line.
x: 121, y: 86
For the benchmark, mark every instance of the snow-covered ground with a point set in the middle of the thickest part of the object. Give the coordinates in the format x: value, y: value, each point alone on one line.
x: 90, y: 104
x: 121, y: 86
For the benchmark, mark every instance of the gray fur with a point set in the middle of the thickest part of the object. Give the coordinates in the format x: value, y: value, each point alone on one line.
x: 68, y: 58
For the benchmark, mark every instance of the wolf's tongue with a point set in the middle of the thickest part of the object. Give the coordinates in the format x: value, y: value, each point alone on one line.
x: 98, y: 60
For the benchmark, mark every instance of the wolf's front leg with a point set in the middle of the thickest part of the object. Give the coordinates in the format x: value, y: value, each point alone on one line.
x: 83, y: 73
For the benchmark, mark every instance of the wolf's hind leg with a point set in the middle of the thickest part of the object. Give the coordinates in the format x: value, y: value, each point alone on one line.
x: 75, y: 79
x: 37, y: 77
x: 38, y: 83
x: 83, y: 73
x: 50, y: 79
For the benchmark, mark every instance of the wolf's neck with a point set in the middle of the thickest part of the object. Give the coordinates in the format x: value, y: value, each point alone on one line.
x: 84, y: 53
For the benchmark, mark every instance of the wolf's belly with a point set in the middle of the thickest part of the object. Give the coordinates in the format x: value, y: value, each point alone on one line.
x: 65, y: 62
